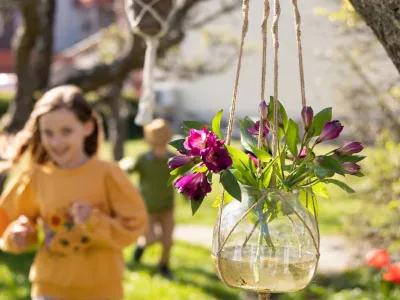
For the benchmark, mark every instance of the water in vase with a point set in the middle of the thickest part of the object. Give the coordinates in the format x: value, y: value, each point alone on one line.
x: 287, y: 270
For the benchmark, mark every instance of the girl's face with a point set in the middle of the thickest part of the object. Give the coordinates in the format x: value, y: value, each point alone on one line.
x: 63, y: 135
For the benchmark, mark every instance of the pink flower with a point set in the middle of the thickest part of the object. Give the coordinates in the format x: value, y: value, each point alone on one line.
x: 179, y: 160
x: 307, y: 115
x: 349, y: 148
x: 255, y: 129
x: 378, y: 258
x: 194, y: 186
x: 351, y: 168
x: 254, y: 159
x: 197, y: 140
x: 330, y: 131
x: 215, y: 157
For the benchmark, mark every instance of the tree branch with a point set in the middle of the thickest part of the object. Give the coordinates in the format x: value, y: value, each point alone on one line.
x: 383, y: 16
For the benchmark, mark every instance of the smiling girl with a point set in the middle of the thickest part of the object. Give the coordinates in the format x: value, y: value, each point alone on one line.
x: 88, y: 208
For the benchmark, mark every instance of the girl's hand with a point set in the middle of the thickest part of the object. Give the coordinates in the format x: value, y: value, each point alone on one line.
x: 81, y: 211
x: 24, y: 233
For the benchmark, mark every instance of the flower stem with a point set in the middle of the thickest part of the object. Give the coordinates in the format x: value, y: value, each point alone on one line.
x: 257, y: 265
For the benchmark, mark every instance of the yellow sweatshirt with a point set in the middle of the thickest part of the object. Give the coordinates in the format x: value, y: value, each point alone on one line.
x: 76, y: 261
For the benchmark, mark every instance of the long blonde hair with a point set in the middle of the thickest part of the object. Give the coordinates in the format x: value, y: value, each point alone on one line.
x: 28, y: 139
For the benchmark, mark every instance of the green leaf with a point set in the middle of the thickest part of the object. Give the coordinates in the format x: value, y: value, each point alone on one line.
x: 227, y: 198
x: 199, y: 169
x: 195, y: 204
x: 178, y: 144
x: 171, y: 179
x: 320, y: 189
x: 262, y: 155
x: 352, y: 158
x: 319, y: 121
x: 340, y: 184
x: 320, y: 172
x: 292, y: 136
x: 216, y: 124
x: 195, y: 125
x: 181, y: 170
x: 230, y: 184
x: 331, y: 164
x: 248, y: 141
x: 281, y: 112
x: 243, y: 163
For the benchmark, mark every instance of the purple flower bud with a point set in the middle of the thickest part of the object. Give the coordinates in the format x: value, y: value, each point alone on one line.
x: 330, y: 131
x: 254, y: 159
x: 307, y: 114
x: 179, y: 160
x: 194, y: 186
x: 351, y: 168
x: 349, y: 148
x: 263, y: 108
x: 319, y: 160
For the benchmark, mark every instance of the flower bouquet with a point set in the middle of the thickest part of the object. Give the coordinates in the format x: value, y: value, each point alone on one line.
x: 267, y: 237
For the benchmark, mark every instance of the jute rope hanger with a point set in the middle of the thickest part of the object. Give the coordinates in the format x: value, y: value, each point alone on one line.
x: 275, y: 35
x: 147, y: 99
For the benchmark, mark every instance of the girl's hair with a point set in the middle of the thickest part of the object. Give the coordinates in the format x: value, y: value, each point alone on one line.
x: 67, y: 96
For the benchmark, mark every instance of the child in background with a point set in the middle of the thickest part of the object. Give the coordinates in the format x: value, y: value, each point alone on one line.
x: 88, y: 207
x: 153, y: 172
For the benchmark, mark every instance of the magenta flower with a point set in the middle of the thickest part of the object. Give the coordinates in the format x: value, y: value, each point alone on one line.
x: 179, y: 160
x: 351, y: 168
x: 255, y: 129
x: 330, y: 131
x: 302, y: 154
x: 194, y: 186
x: 349, y: 148
x: 263, y: 108
x: 254, y: 159
x: 216, y: 158
x: 197, y: 140
x: 307, y: 115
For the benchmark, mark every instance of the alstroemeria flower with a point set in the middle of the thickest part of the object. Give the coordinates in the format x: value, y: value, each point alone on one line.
x: 378, y: 258
x: 256, y: 128
x: 351, y: 168
x: 349, y: 148
x: 216, y: 157
x: 194, y: 186
x: 307, y: 114
x: 254, y: 159
x: 179, y: 160
x: 263, y: 108
x: 197, y: 140
x: 330, y: 131
x: 393, y: 273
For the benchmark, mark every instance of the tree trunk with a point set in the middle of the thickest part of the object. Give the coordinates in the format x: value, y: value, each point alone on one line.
x: 383, y: 16
x: 20, y: 108
x: 116, y: 124
x: 44, y: 46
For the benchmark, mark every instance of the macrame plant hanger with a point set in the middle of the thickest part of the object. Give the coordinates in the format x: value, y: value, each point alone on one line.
x: 136, y: 11
x: 275, y: 36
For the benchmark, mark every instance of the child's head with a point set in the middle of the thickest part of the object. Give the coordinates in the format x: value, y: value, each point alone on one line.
x: 61, y: 127
x: 157, y: 133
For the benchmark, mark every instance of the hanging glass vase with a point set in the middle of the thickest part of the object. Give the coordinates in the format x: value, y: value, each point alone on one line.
x: 266, y: 243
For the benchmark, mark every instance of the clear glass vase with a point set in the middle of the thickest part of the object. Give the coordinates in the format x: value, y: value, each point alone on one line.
x: 268, y: 242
